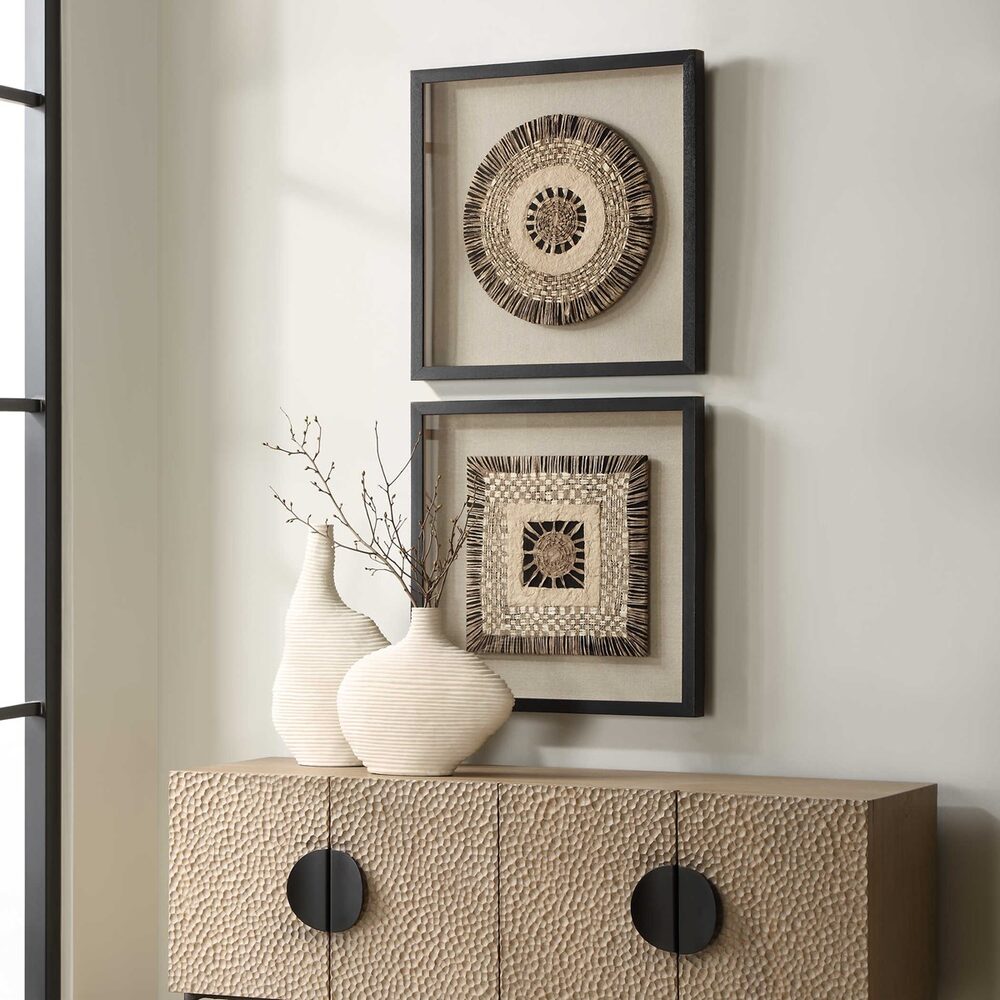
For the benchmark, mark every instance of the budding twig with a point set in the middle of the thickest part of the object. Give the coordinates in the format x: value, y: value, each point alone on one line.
x: 420, y: 568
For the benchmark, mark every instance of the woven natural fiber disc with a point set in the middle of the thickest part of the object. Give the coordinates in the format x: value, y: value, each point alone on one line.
x: 559, y: 219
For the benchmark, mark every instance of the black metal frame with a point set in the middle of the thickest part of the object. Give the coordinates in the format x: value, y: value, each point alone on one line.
x: 692, y: 408
x: 42, y: 406
x: 692, y: 62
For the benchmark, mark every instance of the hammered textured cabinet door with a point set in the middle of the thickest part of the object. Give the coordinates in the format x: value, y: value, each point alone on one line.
x: 233, y: 840
x: 428, y: 853
x: 791, y: 876
x: 569, y: 860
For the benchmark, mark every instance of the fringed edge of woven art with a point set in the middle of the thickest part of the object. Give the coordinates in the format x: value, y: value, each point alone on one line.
x: 559, y: 219
x: 558, y: 555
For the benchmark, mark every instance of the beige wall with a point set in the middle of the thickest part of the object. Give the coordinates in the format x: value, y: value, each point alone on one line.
x: 110, y: 458
x: 854, y: 386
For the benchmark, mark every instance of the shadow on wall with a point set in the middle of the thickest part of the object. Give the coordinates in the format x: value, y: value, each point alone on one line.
x: 736, y: 667
x: 739, y: 558
x: 968, y: 918
x: 735, y: 112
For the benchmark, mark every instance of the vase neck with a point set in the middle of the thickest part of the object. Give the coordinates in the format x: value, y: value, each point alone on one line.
x: 425, y: 623
x: 317, y: 566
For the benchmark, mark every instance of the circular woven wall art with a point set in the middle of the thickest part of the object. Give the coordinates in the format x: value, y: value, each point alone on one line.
x: 559, y: 219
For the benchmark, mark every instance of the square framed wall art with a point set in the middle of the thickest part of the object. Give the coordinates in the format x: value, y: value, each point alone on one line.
x: 558, y: 555
x: 558, y: 217
x: 582, y: 580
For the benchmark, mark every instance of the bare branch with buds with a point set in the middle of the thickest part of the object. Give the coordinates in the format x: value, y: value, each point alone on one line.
x: 420, y: 568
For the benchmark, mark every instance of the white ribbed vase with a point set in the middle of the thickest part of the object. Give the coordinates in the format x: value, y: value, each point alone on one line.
x: 422, y: 706
x: 323, y: 637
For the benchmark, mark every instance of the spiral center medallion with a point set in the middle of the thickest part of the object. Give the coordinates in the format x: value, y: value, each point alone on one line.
x: 556, y: 220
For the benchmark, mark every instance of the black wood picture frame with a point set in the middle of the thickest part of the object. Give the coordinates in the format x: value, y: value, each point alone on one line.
x: 692, y: 62
x: 692, y: 408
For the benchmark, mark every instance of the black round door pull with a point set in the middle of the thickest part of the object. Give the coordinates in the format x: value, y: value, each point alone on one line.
x: 676, y: 909
x: 326, y: 890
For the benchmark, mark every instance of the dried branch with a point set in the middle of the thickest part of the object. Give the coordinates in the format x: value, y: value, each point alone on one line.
x: 420, y: 568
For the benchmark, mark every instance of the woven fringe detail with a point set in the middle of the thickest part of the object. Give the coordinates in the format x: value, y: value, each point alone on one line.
x: 635, y: 641
x: 639, y: 199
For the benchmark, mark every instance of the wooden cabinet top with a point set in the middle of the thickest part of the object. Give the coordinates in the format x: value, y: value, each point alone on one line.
x: 720, y: 784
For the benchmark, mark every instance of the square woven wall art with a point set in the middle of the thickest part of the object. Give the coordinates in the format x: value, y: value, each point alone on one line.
x: 558, y: 555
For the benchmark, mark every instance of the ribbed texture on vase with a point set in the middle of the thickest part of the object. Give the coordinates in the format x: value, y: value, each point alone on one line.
x: 422, y: 706
x: 323, y: 638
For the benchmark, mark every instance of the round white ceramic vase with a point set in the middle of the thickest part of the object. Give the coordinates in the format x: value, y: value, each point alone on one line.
x: 323, y: 638
x: 422, y: 706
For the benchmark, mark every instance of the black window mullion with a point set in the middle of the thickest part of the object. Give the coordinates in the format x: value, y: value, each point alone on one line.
x: 21, y: 405
x: 25, y: 710
x: 43, y: 502
x: 26, y: 97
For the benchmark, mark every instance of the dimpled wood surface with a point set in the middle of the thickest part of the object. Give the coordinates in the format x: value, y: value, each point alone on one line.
x: 792, y: 877
x: 233, y: 840
x: 569, y: 860
x: 428, y: 850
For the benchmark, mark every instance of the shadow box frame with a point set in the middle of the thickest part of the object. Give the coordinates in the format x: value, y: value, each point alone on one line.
x: 693, y: 252
x: 691, y: 703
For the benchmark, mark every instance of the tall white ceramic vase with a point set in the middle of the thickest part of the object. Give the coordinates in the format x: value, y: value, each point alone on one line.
x: 323, y: 638
x: 422, y: 706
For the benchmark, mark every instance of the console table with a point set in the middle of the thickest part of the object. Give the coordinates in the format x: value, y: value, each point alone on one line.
x: 296, y: 883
